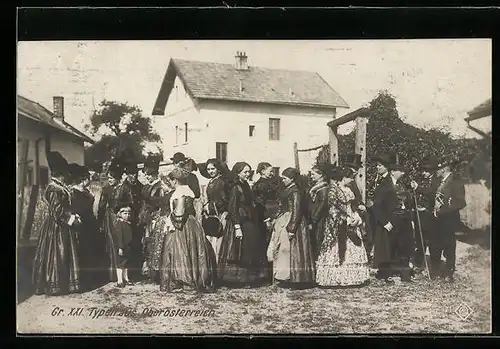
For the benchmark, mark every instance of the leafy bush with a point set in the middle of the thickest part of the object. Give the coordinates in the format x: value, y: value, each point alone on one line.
x: 386, y: 132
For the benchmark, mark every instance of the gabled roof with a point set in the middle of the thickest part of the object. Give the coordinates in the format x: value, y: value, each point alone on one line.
x: 482, y: 110
x: 39, y: 113
x: 217, y: 81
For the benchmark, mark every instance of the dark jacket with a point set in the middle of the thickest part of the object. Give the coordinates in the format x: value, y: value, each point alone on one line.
x: 292, y: 200
x: 217, y: 195
x: 194, y: 185
x: 123, y: 236
x: 385, y: 201
x: 427, y: 192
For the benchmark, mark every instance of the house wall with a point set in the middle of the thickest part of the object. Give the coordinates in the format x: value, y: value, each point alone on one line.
x: 225, y: 121
x: 229, y: 122
x: 179, y: 110
x: 71, y: 149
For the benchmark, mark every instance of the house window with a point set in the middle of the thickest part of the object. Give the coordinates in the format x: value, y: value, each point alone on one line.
x: 43, y: 176
x: 29, y: 175
x: 221, y: 151
x: 185, y: 132
x: 176, y: 134
x: 276, y: 171
x: 251, y: 130
x: 274, y: 129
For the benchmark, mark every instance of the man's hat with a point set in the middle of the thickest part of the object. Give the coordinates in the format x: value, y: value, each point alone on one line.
x: 115, y: 169
x: 396, y: 163
x: 178, y: 157
x: 353, y: 161
x: 57, y: 163
x: 430, y: 163
x: 384, y: 158
x: 130, y: 167
x: 152, y: 163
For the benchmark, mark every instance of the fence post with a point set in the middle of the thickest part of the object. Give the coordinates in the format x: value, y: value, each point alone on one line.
x: 334, y: 145
x: 296, y: 156
x: 360, y: 148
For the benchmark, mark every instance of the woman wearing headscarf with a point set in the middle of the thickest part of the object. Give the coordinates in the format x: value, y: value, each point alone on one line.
x: 56, y: 268
x: 342, y: 258
x: 188, y: 261
x: 91, y: 250
x: 291, y: 247
x: 106, y: 214
x: 317, y: 203
x: 217, y: 200
x: 152, y: 194
x: 242, y: 255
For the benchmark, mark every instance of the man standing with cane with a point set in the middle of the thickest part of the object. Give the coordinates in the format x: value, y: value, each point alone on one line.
x: 425, y: 199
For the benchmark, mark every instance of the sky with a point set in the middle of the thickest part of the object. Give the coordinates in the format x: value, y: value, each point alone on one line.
x: 435, y: 82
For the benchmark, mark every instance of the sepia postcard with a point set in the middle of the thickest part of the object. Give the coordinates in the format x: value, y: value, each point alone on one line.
x: 266, y: 187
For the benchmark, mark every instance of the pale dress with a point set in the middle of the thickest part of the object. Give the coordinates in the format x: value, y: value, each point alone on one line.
x: 353, y: 270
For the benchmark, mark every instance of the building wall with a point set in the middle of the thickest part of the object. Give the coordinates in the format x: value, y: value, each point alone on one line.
x: 229, y: 122
x: 71, y: 149
x: 179, y: 110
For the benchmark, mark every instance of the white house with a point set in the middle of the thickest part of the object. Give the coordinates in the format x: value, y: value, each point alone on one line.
x: 41, y: 130
x: 237, y: 112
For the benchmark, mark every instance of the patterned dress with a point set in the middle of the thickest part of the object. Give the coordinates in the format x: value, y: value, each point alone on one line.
x: 56, y: 267
x: 342, y: 259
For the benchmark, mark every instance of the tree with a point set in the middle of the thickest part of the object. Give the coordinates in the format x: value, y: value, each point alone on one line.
x: 386, y: 132
x: 124, y: 133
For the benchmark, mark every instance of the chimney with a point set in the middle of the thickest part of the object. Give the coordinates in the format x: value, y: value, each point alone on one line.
x: 59, y: 107
x: 241, y: 61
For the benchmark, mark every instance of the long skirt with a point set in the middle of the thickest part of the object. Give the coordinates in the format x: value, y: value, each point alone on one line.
x: 293, y: 261
x: 215, y: 242
x: 56, y: 267
x: 156, y: 241
x: 92, y: 255
x: 352, y: 271
x: 242, y: 260
x: 187, y: 259
x: 318, y: 235
x: 109, y: 237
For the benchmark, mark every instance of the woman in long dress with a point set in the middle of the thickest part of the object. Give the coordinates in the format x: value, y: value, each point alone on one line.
x: 242, y: 255
x: 217, y: 198
x: 91, y: 243
x: 291, y: 247
x: 188, y: 260
x: 56, y: 267
x: 106, y: 215
x: 152, y: 195
x: 317, y: 203
x: 342, y: 260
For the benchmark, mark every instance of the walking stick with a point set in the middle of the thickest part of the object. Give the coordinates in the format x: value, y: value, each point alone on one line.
x: 421, y: 235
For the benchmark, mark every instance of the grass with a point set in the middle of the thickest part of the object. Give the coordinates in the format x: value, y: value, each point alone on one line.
x: 420, y: 307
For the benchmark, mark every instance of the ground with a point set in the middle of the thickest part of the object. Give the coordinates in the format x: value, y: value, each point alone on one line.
x: 420, y: 307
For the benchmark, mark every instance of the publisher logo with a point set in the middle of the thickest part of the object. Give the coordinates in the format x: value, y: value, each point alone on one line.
x: 463, y: 311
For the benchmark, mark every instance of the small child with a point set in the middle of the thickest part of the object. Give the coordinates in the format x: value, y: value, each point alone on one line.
x: 123, y: 239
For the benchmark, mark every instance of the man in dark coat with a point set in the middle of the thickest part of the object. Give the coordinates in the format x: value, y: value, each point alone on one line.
x: 426, y: 192
x: 449, y: 200
x: 393, y: 234
x: 130, y: 192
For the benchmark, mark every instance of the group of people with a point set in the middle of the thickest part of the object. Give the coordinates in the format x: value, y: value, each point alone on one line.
x: 283, y: 230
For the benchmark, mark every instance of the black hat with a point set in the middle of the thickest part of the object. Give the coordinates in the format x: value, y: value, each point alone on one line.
x: 152, y: 163
x: 130, y: 167
x: 178, y: 157
x: 396, y: 163
x: 115, y: 169
x: 78, y: 172
x: 430, y: 163
x: 122, y: 204
x: 353, y: 161
x: 57, y: 163
x: 384, y: 159
x: 219, y: 165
